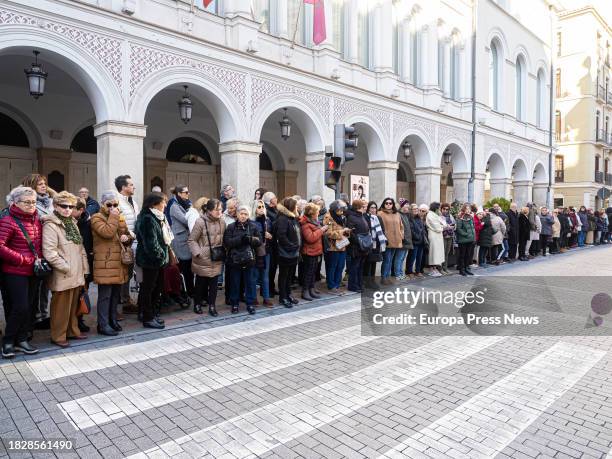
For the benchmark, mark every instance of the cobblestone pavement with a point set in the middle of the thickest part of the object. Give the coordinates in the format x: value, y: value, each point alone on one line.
x: 307, y: 383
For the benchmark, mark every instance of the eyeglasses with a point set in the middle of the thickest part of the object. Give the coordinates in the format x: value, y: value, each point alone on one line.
x: 66, y: 206
x: 28, y: 203
x: 109, y: 205
x: 184, y: 192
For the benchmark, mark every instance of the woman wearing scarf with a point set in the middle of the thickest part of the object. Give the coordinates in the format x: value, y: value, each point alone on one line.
x: 379, y: 243
x: 337, y: 238
x: 180, y: 229
x: 394, y: 231
x: 264, y: 226
x: 312, y: 249
x: 466, y: 237
x: 436, y: 239
x: 154, y: 238
x: 62, y: 246
x: 110, y: 232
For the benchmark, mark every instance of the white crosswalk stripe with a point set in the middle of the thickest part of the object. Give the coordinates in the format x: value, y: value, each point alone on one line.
x: 492, y: 419
x: 260, y: 430
x: 113, y: 404
x: 75, y: 363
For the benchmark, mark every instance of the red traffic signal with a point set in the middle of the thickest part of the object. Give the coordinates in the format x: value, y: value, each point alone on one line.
x: 333, y: 164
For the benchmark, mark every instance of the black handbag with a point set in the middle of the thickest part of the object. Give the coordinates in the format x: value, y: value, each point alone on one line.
x: 364, y: 242
x: 42, y: 268
x: 244, y: 257
x: 216, y: 253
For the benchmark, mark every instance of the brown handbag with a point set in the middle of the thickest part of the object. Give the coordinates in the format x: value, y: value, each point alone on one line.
x: 172, y: 257
x: 127, y: 254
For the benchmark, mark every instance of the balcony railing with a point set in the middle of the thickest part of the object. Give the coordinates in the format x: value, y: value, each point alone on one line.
x: 603, y: 137
x: 599, y: 176
x: 559, y: 176
x: 601, y: 93
x: 609, y: 179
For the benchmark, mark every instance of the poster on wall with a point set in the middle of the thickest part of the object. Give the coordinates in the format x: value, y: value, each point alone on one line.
x: 360, y: 187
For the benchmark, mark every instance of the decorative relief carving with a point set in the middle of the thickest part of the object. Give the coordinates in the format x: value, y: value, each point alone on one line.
x: 448, y: 133
x: 106, y: 49
x: 343, y: 108
x: 403, y: 122
x: 263, y: 89
x: 146, y: 61
x: 493, y: 143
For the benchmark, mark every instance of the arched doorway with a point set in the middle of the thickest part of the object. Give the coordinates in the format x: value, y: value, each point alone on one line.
x: 189, y: 163
x: 16, y: 157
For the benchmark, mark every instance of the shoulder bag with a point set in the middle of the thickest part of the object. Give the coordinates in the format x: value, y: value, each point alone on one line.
x: 42, y: 268
x: 217, y: 253
x: 244, y: 257
x: 127, y: 254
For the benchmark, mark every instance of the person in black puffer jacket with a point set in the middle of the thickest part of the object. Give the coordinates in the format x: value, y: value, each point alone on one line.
x: 241, y: 238
x: 419, y: 239
x: 356, y: 222
x: 271, y: 201
x: 288, y: 242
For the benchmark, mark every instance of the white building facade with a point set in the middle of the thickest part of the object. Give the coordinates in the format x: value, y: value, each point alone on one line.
x: 399, y: 71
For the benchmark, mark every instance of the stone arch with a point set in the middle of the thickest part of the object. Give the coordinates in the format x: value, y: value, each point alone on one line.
x: 209, y: 143
x: 24, y: 122
x: 496, y: 34
x: 459, y: 159
x: 520, y: 171
x: 423, y: 153
x: 200, y: 152
x: 539, y: 173
x: 497, y: 166
x: 312, y: 126
x: 371, y: 135
x: 84, y: 141
x: 276, y: 157
x: 226, y: 112
x: 521, y: 52
x: 99, y: 85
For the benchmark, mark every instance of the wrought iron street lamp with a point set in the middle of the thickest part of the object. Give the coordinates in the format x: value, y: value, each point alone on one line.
x: 36, y: 78
x: 185, y: 107
x: 407, y: 147
x: 285, y: 125
x: 447, y: 156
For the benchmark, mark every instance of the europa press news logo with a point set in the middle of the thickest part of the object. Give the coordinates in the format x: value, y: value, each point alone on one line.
x: 601, y: 305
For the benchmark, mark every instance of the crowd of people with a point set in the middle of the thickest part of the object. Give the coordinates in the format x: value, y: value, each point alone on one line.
x: 174, y: 251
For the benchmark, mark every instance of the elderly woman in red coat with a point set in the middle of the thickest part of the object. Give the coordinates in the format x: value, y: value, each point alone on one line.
x: 20, y: 250
x: 312, y: 248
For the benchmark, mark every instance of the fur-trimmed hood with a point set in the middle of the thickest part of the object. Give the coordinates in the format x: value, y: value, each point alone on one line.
x: 283, y: 210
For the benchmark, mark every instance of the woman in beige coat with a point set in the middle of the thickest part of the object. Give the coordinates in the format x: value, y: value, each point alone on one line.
x: 110, y: 231
x: 206, y: 234
x: 63, y: 249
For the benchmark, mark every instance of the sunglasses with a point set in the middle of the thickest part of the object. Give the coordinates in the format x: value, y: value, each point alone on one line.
x: 260, y: 207
x: 184, y: 192
x: 388, y: 203
x: 109, y: 205
x: 66, y: 206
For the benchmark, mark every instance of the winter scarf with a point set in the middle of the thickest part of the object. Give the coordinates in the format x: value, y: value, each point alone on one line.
x: 72, y: 231
x: 166, y: 231
x: 184, y: 203
x: 377, y: 233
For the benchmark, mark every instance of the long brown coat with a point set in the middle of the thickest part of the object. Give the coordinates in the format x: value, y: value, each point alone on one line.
x: 69, y: 260
x: 107, y: 229
x: 201, y: 264
x: 394, y: 228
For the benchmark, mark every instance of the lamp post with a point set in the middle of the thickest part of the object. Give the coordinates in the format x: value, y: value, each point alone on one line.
x: 285, y: 125
x: 185, y: 107
x: 36, y: 78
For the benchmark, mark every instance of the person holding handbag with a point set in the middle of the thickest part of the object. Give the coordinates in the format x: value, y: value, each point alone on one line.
x: 208, y: 255
x: 337, y: 241
x: 152, y: 255
x: 401, y: 254
x: 394, y: 231
x: 20, y: 247
x: 241, y: 238
x: 112, y: 239
x: 62, y: 246
x: 288, y: 243
x: 312, y: 249
x: 361, y: 243
x: 379, y: 243
x: 264, y: 226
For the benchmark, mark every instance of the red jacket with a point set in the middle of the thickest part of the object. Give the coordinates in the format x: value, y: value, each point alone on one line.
x: 312, y: 238
x: 477, y: 227
x: 15, y: 253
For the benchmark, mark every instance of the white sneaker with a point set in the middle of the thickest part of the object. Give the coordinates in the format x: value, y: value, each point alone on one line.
x: 435, y: 274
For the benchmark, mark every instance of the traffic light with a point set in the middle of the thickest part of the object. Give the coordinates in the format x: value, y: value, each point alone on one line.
x: 333, y: 165
x: 345, y: 142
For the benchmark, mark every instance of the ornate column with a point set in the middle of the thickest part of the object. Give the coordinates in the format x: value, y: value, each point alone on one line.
x: 406, y: 60
x: 383, y: 180
x: 500, y: 187
x: 120, y: 152
x: 429, y: 56
x: 522, y: 192
x: 383, y: 36
x: 479, y: 186
x: 460, y: 185
x: 240, y: 167
x: 447, y: 68
x: 540, y: 194
x: 427, y: 184
x: 352, y: 31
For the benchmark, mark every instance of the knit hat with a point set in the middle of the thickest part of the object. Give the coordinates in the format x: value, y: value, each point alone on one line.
x: 403, y: 202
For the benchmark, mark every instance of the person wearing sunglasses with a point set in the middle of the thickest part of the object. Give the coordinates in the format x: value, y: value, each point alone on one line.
x: 63, y: 248
x: 180, y: 228
x: 262, y: 266
x: 394, y: 232
x: 17, y: 267
x: 111, y: 237
x: 337, y: 239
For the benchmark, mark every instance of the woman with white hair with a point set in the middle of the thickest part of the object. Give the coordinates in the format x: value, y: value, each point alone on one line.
x: 241, y: 238
x: 63, y: 248
x: 20, y: 250
x: 111, y: 237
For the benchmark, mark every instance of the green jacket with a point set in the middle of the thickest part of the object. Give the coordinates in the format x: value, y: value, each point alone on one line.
x: 152, y: 251
x: 465, y: 230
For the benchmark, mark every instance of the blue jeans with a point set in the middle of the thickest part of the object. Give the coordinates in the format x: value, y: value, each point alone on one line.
x: 504, y: 252
x: 398, y: 262
x: 385, y: 269
x: 248, y: 274
x: 262, y: 278
x: 581, y: 238
x: 355, y: 279
x: 333, y: 267
x: 414, y: 265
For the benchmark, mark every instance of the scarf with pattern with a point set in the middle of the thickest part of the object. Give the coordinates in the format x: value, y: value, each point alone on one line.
x: 72, y: 231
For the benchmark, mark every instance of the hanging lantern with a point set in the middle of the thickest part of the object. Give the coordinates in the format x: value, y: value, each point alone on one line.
x: 36, y: 78
x: 447, y: 156
x: 285, y: 125
x: 185, y: 107
x: 407, y: 147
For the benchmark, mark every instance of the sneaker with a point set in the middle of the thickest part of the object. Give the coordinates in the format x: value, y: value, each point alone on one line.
x: 26, y: 348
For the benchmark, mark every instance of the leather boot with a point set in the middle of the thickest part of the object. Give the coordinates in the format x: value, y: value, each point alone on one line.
x: 212, y: 310
x: 306, y: 295
x: 314, y: 294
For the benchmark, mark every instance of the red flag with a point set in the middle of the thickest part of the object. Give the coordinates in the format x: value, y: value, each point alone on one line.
x: 207, y: 2
x: 319, y: 33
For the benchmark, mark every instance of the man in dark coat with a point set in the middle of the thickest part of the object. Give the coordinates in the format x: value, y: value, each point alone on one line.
x: 512, y: 231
